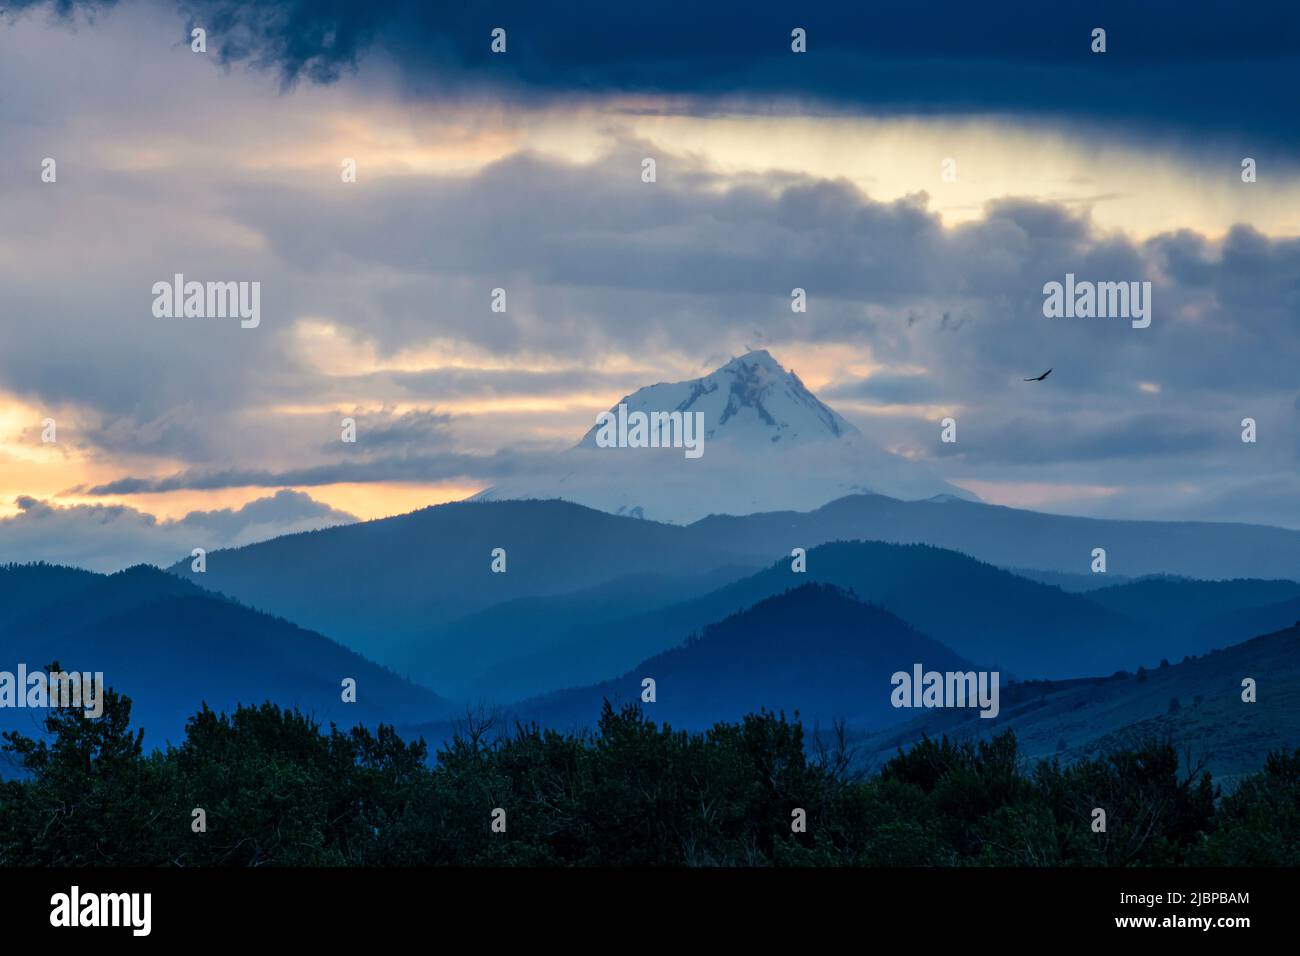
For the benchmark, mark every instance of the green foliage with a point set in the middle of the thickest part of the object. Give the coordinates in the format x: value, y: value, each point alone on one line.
x: 91, y: 795
x: 1259, y: 822
x: 279, y: 790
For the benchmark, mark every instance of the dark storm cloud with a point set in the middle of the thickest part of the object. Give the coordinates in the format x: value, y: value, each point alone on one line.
x: 1188, y: 68
x: 1178, y: 67
x: 64, y: 9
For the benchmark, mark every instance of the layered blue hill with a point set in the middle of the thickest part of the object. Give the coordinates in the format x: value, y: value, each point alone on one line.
x: 379, y: 584
x: 171, y: 646
x: 985, y: 613
x: 814, y: 649
x: 402, y: 590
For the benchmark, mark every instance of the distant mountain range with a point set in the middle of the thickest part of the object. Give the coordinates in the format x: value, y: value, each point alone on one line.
x: 823, y: 641
x: 813, y: 649
x: 768, y: 443
x: 381, y: 584
x: 984, y: 613
x: 171, y: 646
x: 1015, y: 538
x: 538, y: 605
x: 417, y: 591
x: 820, y: 650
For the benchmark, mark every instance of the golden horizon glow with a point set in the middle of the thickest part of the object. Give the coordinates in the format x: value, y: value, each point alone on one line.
x: 372, y: 500
x: 1033, y: 494
x: 364, y: 501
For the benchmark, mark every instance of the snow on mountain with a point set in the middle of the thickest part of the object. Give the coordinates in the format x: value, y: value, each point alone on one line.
x: 769, y: 445
x: 751, y: 402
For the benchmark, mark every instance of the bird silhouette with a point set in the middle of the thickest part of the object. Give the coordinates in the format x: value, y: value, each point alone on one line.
x: 1039, y: 378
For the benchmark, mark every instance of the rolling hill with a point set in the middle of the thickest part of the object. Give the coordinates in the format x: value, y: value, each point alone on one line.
x: 814, y: 649
x: 983, y: 613
x: 171, y: 646
x: 380, y: 584
x: 1179, y: 602
x: 388, y: 588
x: 1015, y: 538
x: 1196, y: 704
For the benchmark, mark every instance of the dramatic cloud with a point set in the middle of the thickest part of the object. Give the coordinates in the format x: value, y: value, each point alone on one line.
x: 475, y: 175
x: 1184, y: 69
x: 108, y: 538
x: 413, y: 469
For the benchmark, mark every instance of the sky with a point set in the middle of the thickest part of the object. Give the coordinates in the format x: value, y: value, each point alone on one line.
x: 822, y: 170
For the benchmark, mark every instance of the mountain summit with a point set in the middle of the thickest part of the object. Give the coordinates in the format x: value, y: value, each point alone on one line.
x: 769, y: 444
x: 750, y: 401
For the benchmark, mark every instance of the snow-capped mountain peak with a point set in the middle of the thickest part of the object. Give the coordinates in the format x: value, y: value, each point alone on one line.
x: 769, y: 444
x: 749, y: 401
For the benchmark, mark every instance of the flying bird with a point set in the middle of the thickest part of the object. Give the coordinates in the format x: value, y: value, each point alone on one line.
x: 1039, y: 378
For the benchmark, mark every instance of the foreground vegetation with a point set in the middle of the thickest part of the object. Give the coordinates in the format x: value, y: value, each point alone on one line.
x: 276, y: 789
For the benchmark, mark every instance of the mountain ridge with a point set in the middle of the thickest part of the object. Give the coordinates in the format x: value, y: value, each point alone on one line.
x: 170, y: 646
x: 813, y: 648
x: 1195, y: 704
x: 382, y: 587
